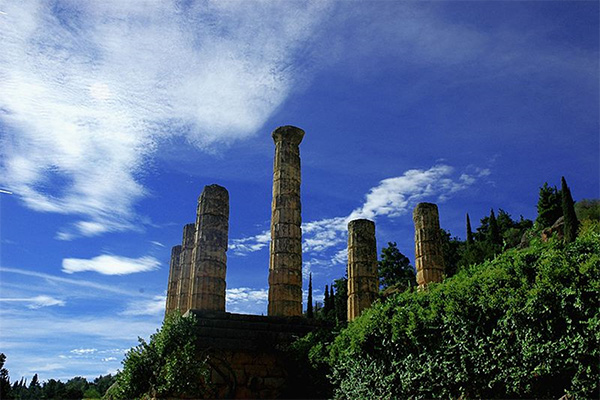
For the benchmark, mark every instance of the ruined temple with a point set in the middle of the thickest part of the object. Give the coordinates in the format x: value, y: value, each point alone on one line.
x: 245, y: 351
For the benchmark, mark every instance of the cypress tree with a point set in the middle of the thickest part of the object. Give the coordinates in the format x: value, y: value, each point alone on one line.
x: 309, y: 305
x: 469, y: 231
x: 494, y: 231
x: 568, y: 209
x: 331, y: 298
x: 326, y: 301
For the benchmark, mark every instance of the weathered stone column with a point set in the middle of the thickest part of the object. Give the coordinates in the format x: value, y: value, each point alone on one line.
x: 185, y: 265
x: 362, y: 266
x: 285, y: 262
x: 429, y: 259
x: 173, y: 285
x: 210, y: 258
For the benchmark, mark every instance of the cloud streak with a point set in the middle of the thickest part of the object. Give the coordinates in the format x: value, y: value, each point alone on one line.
x: 110, y: 265
x: 91, y: 90
x: 37, y: 301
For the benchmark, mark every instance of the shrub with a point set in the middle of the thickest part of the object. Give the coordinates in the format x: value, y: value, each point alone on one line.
x: 525, y: 324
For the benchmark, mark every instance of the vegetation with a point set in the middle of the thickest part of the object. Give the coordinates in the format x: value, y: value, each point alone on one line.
x: 169, y: 365
x: 525, y: 324
x: 395, y: 269
x: 309, y: 302
x: 549, y: 206
x: 76, y: 388
x: 568, y: 209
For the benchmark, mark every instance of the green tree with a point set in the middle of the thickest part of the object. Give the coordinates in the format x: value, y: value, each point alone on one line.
x: 75, y: 387
x: 169, y: 365
x: 452, y: 250
x: 34, y: 391
x: 341, y: 300
x: 549, y: 206
x: 91, y: 393
x: 395, y: 269
x: 5, y: 388
x: 103, y: 382
x: 309, y: 305
x: 54, y: 390
x: 568, y: 209
x: 588, y: 209
x: 326, y: 302
x: 494, y: 231
x: 469, y: 231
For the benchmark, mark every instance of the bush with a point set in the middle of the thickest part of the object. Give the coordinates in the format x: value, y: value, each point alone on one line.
x: 525, y: 324
x: 169, y: 365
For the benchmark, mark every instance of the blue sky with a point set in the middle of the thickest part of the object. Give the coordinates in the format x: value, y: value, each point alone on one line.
x: 114, y: 115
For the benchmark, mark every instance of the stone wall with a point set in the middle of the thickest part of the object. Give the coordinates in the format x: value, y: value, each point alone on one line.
x: 247, y: 354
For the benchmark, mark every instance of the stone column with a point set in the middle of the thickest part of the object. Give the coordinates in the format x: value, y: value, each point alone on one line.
x: 363, y: 284
x: 429, y: 259
x: 185, y: 265
x: 285, y: 261
x: 173, y: 285
x: 210, y: 258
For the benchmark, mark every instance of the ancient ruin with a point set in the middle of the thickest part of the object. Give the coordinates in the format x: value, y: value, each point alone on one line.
x: 285, y: 261
x: 363, y: 285
x: 185, y: 268
x: 210, y: 247
x: 245, y: 351
x: 429, y: 259
x: 172, y: 288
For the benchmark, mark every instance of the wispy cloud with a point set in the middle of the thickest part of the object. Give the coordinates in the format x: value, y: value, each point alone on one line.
x: 90, y: 90
x: 37, y: 301
x: 110, y: 265
x: 83, y: 351
x: 75, y: 282
x: 244, y: 300
x: 154, y: 306
x: 391, y: 198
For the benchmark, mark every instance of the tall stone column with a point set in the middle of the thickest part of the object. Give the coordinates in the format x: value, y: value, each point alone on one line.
x: 285, y: 262
x: 429, y: 259
x: 362, y: 266
x: 173, y: 285
x: 185, y: 265
x: 210, y: 258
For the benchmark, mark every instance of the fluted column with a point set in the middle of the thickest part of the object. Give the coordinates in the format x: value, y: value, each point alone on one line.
x: 185, y: 262
x: 285, y: 261
x: 173, y: 285
x: 362, y: 266
x: 210, y: 258
x: 429, y: 259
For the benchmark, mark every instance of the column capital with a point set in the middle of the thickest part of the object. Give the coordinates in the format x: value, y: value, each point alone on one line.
x: 288, y: 134
x: 361, y: 224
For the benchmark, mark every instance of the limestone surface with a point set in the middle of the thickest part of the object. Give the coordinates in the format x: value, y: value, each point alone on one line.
x: 429, y: 259
x: 185, y: 266
x: 285, y: 261
x: 173, y: 285
x: 209, y: 256
x: 362, y: 266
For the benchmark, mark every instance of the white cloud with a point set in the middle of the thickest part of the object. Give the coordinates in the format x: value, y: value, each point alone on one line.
x: 245, y: 300
x: 83, y: 351
x: 107, y: 359
x: 91, y: 89
x: 37, y: 301
x: 110, y: 265
x: 154, y: 306
x: 391, y: 198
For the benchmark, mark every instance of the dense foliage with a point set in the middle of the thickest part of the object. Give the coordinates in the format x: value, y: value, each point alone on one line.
x: 394, y: 268
x: 525, y: 324
x: 169, y: 365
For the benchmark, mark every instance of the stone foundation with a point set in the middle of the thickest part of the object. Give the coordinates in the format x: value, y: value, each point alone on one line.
x: 246, y: 353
